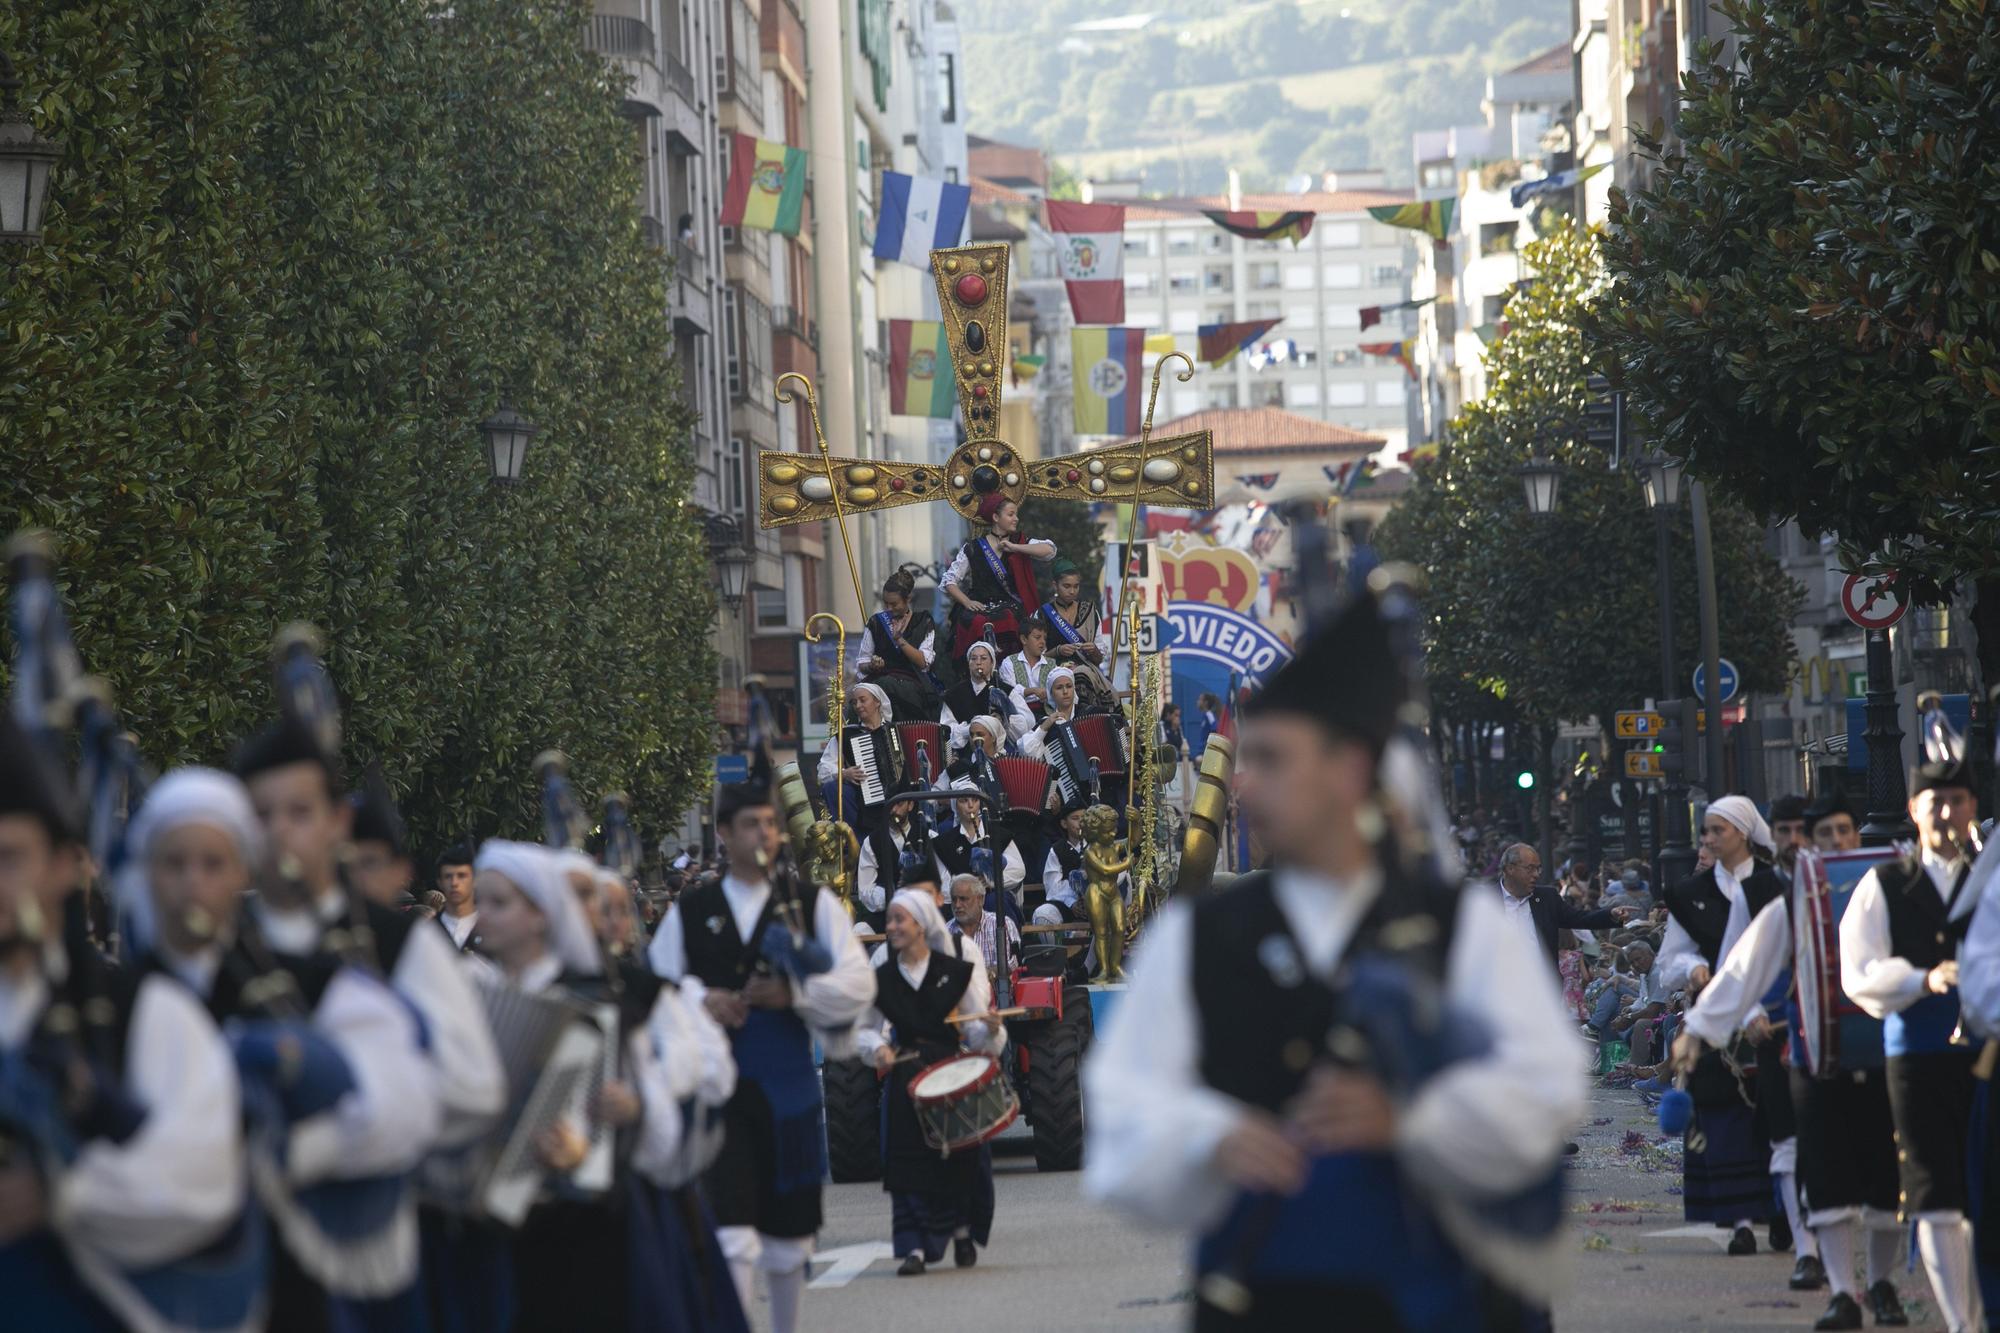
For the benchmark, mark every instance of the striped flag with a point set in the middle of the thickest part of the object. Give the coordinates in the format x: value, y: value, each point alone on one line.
x: 1429, y: 216
x: 919, y: 215
x: 1560, y: 181
x: 1421, y: 453
x: 1090, y: 252
x: 1263, y: 225
x: 1027, y: 366
x: 1346, y: 476
x: 1159, y: 344
x: 1109, y: 390
x: 767, y: 185
x: 1221, y: 342
x: 920, y: 383
x: 1371, y: 315
x: 1400, y: 352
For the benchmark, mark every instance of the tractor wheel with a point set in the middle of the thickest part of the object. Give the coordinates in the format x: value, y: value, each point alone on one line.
x: 853, y: 1121
x: 1076, y: 1009
x: 1055, y: 1053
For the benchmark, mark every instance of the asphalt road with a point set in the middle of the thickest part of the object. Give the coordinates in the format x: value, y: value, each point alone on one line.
x: 1057, y: 1262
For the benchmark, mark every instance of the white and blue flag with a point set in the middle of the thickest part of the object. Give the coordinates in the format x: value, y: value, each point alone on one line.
x: 919, y: 215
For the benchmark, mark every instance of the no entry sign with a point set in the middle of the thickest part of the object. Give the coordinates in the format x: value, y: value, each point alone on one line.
x: 1870, y: 601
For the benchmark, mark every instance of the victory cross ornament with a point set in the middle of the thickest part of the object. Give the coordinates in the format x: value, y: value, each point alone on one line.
x: 1177, y: 472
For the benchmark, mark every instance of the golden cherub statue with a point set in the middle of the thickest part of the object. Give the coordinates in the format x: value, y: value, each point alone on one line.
x: 830, y: 858
x: 1104, y: 860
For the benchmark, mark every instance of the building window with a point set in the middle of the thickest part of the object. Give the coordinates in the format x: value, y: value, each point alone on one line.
x: 948, y: 86
x: 769, y: 606
x: 1298, y: 277
x: 1216, y: 280
x: 1389, y: 393
x: 1267, y: 393
x: 732, y: 477
x: 1139, y: 246
x: 1346, y: 393
x: 1264, y: 276
x: 1214, y: 242
x: 1388, y: 275
x: 1219, y: 396
x: 1497, y: 238
x: 1438, y: 176
x: 1343, y: 316
x: 1343, y: 275
x: 1180, y: 243
x: 1340, y: 234
x: 1185, y: 321
x: 1142, y: 282
x: 732, y: 340
x: 1183, y: 282
x: 1305, y: 395
x: 1343, y: 356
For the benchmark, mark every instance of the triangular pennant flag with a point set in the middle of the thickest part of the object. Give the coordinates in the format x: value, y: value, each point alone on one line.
x: 1220, y: 342
x: 1429, y: 216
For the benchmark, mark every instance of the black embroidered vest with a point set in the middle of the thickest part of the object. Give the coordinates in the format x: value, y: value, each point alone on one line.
x: 716, y: 953
x: 1703, y: 912
x: 1919, y: 929
x: 919, y: 1015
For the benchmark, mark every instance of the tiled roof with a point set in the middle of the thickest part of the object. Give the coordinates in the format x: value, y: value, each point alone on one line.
x: 986, y: 191
x: 1557, y: 59
x: 1316, y: 201
x: 1263, y: 430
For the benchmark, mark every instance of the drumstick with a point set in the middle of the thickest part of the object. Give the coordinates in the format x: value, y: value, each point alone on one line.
x: 1015, y: 1012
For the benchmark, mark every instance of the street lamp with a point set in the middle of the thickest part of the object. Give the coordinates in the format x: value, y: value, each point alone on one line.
x: 507, y: 434
x: 26, y: 159
x: 1660, y: 476
x: 1541, y: 478
x: 732, y: 561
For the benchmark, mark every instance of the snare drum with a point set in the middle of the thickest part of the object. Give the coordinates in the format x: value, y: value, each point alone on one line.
x: 1099, y: 738
x: 963, y: 1102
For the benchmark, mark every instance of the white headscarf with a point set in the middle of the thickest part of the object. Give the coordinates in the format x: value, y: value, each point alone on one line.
x: 183, y: 797
x: 925, y: 909
x: 995, y: 730
x: 881, y: 697
x: 981, y: 646
x: 542, y: 875
x: 1740, y: 811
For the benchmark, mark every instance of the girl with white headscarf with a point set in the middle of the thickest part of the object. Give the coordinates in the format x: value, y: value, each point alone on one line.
x: 871, y: 734
x: 170, y: 1188
x: 936, y: 1202
x: 981, y: 691
x: 1061, y: 707
x: 1727, y: 1182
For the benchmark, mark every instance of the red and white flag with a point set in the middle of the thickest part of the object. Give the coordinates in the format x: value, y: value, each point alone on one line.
x: 1090, y: 248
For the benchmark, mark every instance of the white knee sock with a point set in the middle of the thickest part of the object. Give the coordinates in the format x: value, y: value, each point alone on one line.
x: 1945, y: 1241
x: 1887, y: 1244
x: 741, y: 1247
x: 1802, y: 1239
x: 1836, y: 1251
x: 784, y: 1264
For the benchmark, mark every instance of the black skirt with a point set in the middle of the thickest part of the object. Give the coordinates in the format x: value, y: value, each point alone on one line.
x: 1776, y: 1116
x: 1847, y: 1140
x: 909, y: 1164
x: 1930, y: 1097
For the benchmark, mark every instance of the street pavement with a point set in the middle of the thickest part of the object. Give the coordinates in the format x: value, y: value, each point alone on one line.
x: 1057, y: 1262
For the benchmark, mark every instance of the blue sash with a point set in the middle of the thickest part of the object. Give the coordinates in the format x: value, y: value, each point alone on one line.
x: 1924, y: 1028
x: 1060, y: 624
x: 999, y: 569
x: 774, y: 1051
x: 885, y: 636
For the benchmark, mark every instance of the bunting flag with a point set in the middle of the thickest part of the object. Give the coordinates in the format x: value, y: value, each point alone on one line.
x: 1109, y: 390
x: 1026, y: 367
x: 767, y: 185
x: 1429, y: 216
x: 1403, y: 353
x: 1492, y: 333
x: 918, y: 215
x: 1263, y: 225
x: 1258, y: 481
x: 917, y: 353
x: 1159, y: 344
x: 1090, y: 254
x: 1371, y: 315
x: 1421, y: 453
x: 1220, y: 342
x: 1562, y: 180
x: 1347, y: 476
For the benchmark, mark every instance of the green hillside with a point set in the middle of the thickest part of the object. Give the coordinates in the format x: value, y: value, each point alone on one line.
x: 1272, y: 88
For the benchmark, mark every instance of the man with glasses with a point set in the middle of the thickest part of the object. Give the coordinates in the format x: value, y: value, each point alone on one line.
x: 1538, y: 910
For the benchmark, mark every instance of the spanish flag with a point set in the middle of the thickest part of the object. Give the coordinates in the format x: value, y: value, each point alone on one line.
x: 767, y: 185
x: 1107, y: 368
x: 1432, y: 217
x: 1264, y: 224
x: 920, y: 382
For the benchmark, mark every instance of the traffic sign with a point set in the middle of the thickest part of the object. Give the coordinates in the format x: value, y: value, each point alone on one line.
x: 731, y: 769
x: 1729, y: 681
x: 1156, y: 633
x: 1643, y: 764
x: 1870, y: 600
x: 1637, y: 724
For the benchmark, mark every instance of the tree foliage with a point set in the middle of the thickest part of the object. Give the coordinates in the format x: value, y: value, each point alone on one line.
x: 1804, y: 300
x: 296, y: 251
x: 1548, y: 620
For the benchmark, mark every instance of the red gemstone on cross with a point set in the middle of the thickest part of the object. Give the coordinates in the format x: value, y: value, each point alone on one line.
x: 979, y: 391
x: 970, y: 289
x: 897, y: 483
x: 1073, y: 476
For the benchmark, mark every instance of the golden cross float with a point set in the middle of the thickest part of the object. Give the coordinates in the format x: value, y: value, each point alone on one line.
x: 1177, y: 472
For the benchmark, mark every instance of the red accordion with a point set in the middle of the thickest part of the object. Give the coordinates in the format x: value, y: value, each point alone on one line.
x: 1098, y: 735
x: 931, y: 736
x: 1025, y: 783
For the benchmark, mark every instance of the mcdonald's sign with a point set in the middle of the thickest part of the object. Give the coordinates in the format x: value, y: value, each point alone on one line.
x: 1825, y: 680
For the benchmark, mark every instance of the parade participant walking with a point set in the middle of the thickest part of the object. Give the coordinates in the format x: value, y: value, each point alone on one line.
x: 897, y: 647
x: 1831, y: 824
x: 1212, y: 1105
x: 936, y: 1199
x: 765, y: 1185
x: 872, y: 767
x: 1899, y: 946
x: 1845, y: 1151
x: 1727, y: 1180
x: 991, y: 581
x: 380, y: 860
x: 460, y: 918
x: 152, y: 1203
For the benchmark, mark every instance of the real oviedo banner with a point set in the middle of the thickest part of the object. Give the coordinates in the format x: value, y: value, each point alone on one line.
x: 1229, y: 638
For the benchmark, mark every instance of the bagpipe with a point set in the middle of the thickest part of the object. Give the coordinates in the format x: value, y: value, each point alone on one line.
x: 64, y: 1088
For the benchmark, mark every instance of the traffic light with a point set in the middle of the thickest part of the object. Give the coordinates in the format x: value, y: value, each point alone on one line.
x: 1603, y: 416
x: 1672, y: 740
x: 1525, y: 779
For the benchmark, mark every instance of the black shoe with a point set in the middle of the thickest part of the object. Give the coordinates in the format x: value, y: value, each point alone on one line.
x: 1743, y: 1242
x: 1781, y: 1234
x: 964, y: 1253
x: 1841, y: 1312
x: 1571, y: 1150
x: 1887, y: 1305
x: 912, y: 1266
x: 1808, y: 1274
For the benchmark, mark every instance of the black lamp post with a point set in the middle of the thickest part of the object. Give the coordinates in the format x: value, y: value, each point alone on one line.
x: 26, y: 161
x: 507, y: 434
x: 1660, y: 478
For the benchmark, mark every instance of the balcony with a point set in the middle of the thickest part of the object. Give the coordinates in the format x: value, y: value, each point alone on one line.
x: 631, y: 46
x: 787, y: 319
x: 794, y: 341
x: 685, y: 135
x: 688, y: 299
